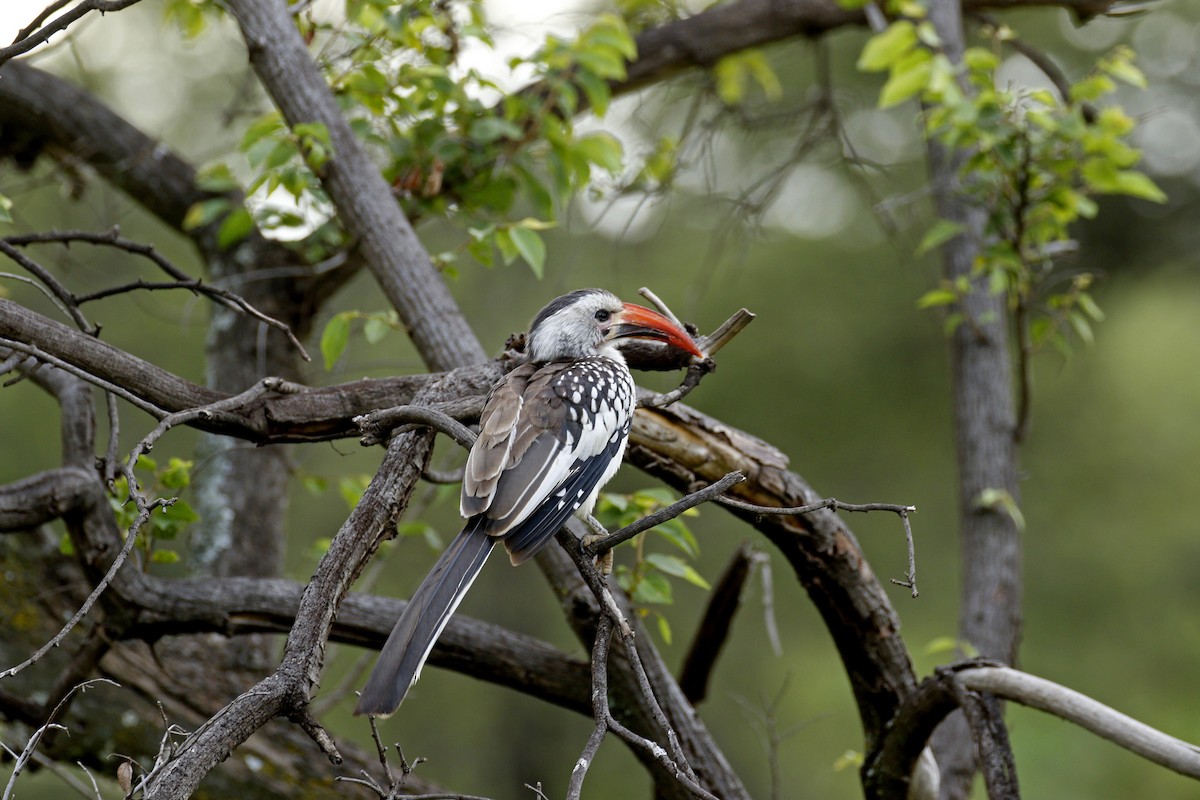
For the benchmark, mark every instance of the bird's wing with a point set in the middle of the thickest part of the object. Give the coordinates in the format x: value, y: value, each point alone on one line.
x: 543, y: 447
x: 498, y: 428
x: 525, y: 539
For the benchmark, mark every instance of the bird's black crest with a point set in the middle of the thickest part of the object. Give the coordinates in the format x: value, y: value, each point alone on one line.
x: 558, y: 304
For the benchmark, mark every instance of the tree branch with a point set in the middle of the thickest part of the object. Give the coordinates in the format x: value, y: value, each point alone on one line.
x: 1089, y: 714
x: 713, y: 631
x: 35, y: 33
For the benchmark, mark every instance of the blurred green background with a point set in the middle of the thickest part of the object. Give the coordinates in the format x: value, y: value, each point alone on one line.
x: 840, y: 371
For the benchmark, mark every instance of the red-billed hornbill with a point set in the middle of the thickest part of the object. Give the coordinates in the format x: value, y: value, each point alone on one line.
x: 551, y: 434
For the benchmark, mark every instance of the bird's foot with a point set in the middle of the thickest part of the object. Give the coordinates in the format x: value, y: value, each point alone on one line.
x: 604, y: 561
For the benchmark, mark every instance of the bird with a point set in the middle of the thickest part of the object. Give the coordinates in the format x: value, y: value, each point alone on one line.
x: 552, y: 432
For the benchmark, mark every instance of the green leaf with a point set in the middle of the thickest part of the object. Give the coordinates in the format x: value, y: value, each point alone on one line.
x: 1120, y: 65
x: 351, y: 489
x: 851, y: 759
x: 752, y: 63
x: 204, y: 212
x: 674, y: 565
x: 481, y: 250
x: 375, y: 328
x: 1089, y: 307
x: 217, y: 178
x: 1001, y: 501
x: 504, y: 243
x: 611, y: 31
x: 235, y: 227
x: 675, y: 532
x: 730, y: 75
x: 1083, y: 328
x: 937, y: 297
x: 1136, y: 184
x: 334, y: 339
x: 491, y: 129
x: 907, y: 80
x: 664, y: 629
x: 653, y: 588
x: 1091, y: 88
x: 531, y: 247
x: 314, y: 484
x: 603, y: 149
x: 177, y: 475
x: 595, y: 89
x: 941, y: 232
x: 605, y: 63
x: 886, y: 48
x: 261, y: 128
x: 164, y: 557
x: 5, y: 209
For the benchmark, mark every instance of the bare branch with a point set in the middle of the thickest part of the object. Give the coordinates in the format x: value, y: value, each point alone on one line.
x: 672, y: 511
x: 713, y: 630
x: 1090, y: 714
x: 33, y: 35
x: 113, y: 238
x: 910, y: 578
x: 695, y: 373
x: 723, y: 334
x: 32, y: 744
x: 600, y: 710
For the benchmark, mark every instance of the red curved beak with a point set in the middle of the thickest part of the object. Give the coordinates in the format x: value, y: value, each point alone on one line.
x: 642, y: 323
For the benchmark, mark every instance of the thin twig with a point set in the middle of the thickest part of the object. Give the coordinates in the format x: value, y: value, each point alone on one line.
x: 39, y: 19
x: 181, y: 280
x: 672, y: 511
x: 67, y: 300
x: 712, y: 342
x: 442, y: 476
x: 660, y: 305
x: 318, y: 734
x: 695, y: 373
x: 910, y: 579
x: 31, y: 39
x: 600, y: 711
x: 32, y: 744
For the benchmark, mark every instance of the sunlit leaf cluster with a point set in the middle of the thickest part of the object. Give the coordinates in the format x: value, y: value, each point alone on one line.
x: 453, y: 143
x: 1034, y: 160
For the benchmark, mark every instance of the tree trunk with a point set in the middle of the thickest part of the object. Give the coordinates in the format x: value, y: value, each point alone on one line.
x: 984, y: 423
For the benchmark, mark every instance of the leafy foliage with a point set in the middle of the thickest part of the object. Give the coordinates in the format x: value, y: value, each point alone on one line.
x: 165, y: 523
x: 1033, y: 160
x: 648, y: 579
x: 453, y: 143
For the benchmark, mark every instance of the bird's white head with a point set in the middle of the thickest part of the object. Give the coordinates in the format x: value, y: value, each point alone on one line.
x: 588, y: 322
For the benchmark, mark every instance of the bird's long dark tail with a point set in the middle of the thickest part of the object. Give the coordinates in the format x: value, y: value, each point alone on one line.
x: 422, y: 621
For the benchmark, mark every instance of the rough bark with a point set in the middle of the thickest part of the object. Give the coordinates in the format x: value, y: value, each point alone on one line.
x: 984, y: 425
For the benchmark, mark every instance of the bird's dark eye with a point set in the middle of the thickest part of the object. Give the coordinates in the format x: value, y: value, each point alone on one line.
x: 603, y: 314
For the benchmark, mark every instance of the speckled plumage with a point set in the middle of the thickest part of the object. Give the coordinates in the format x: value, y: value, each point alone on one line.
x: 551, y: 434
